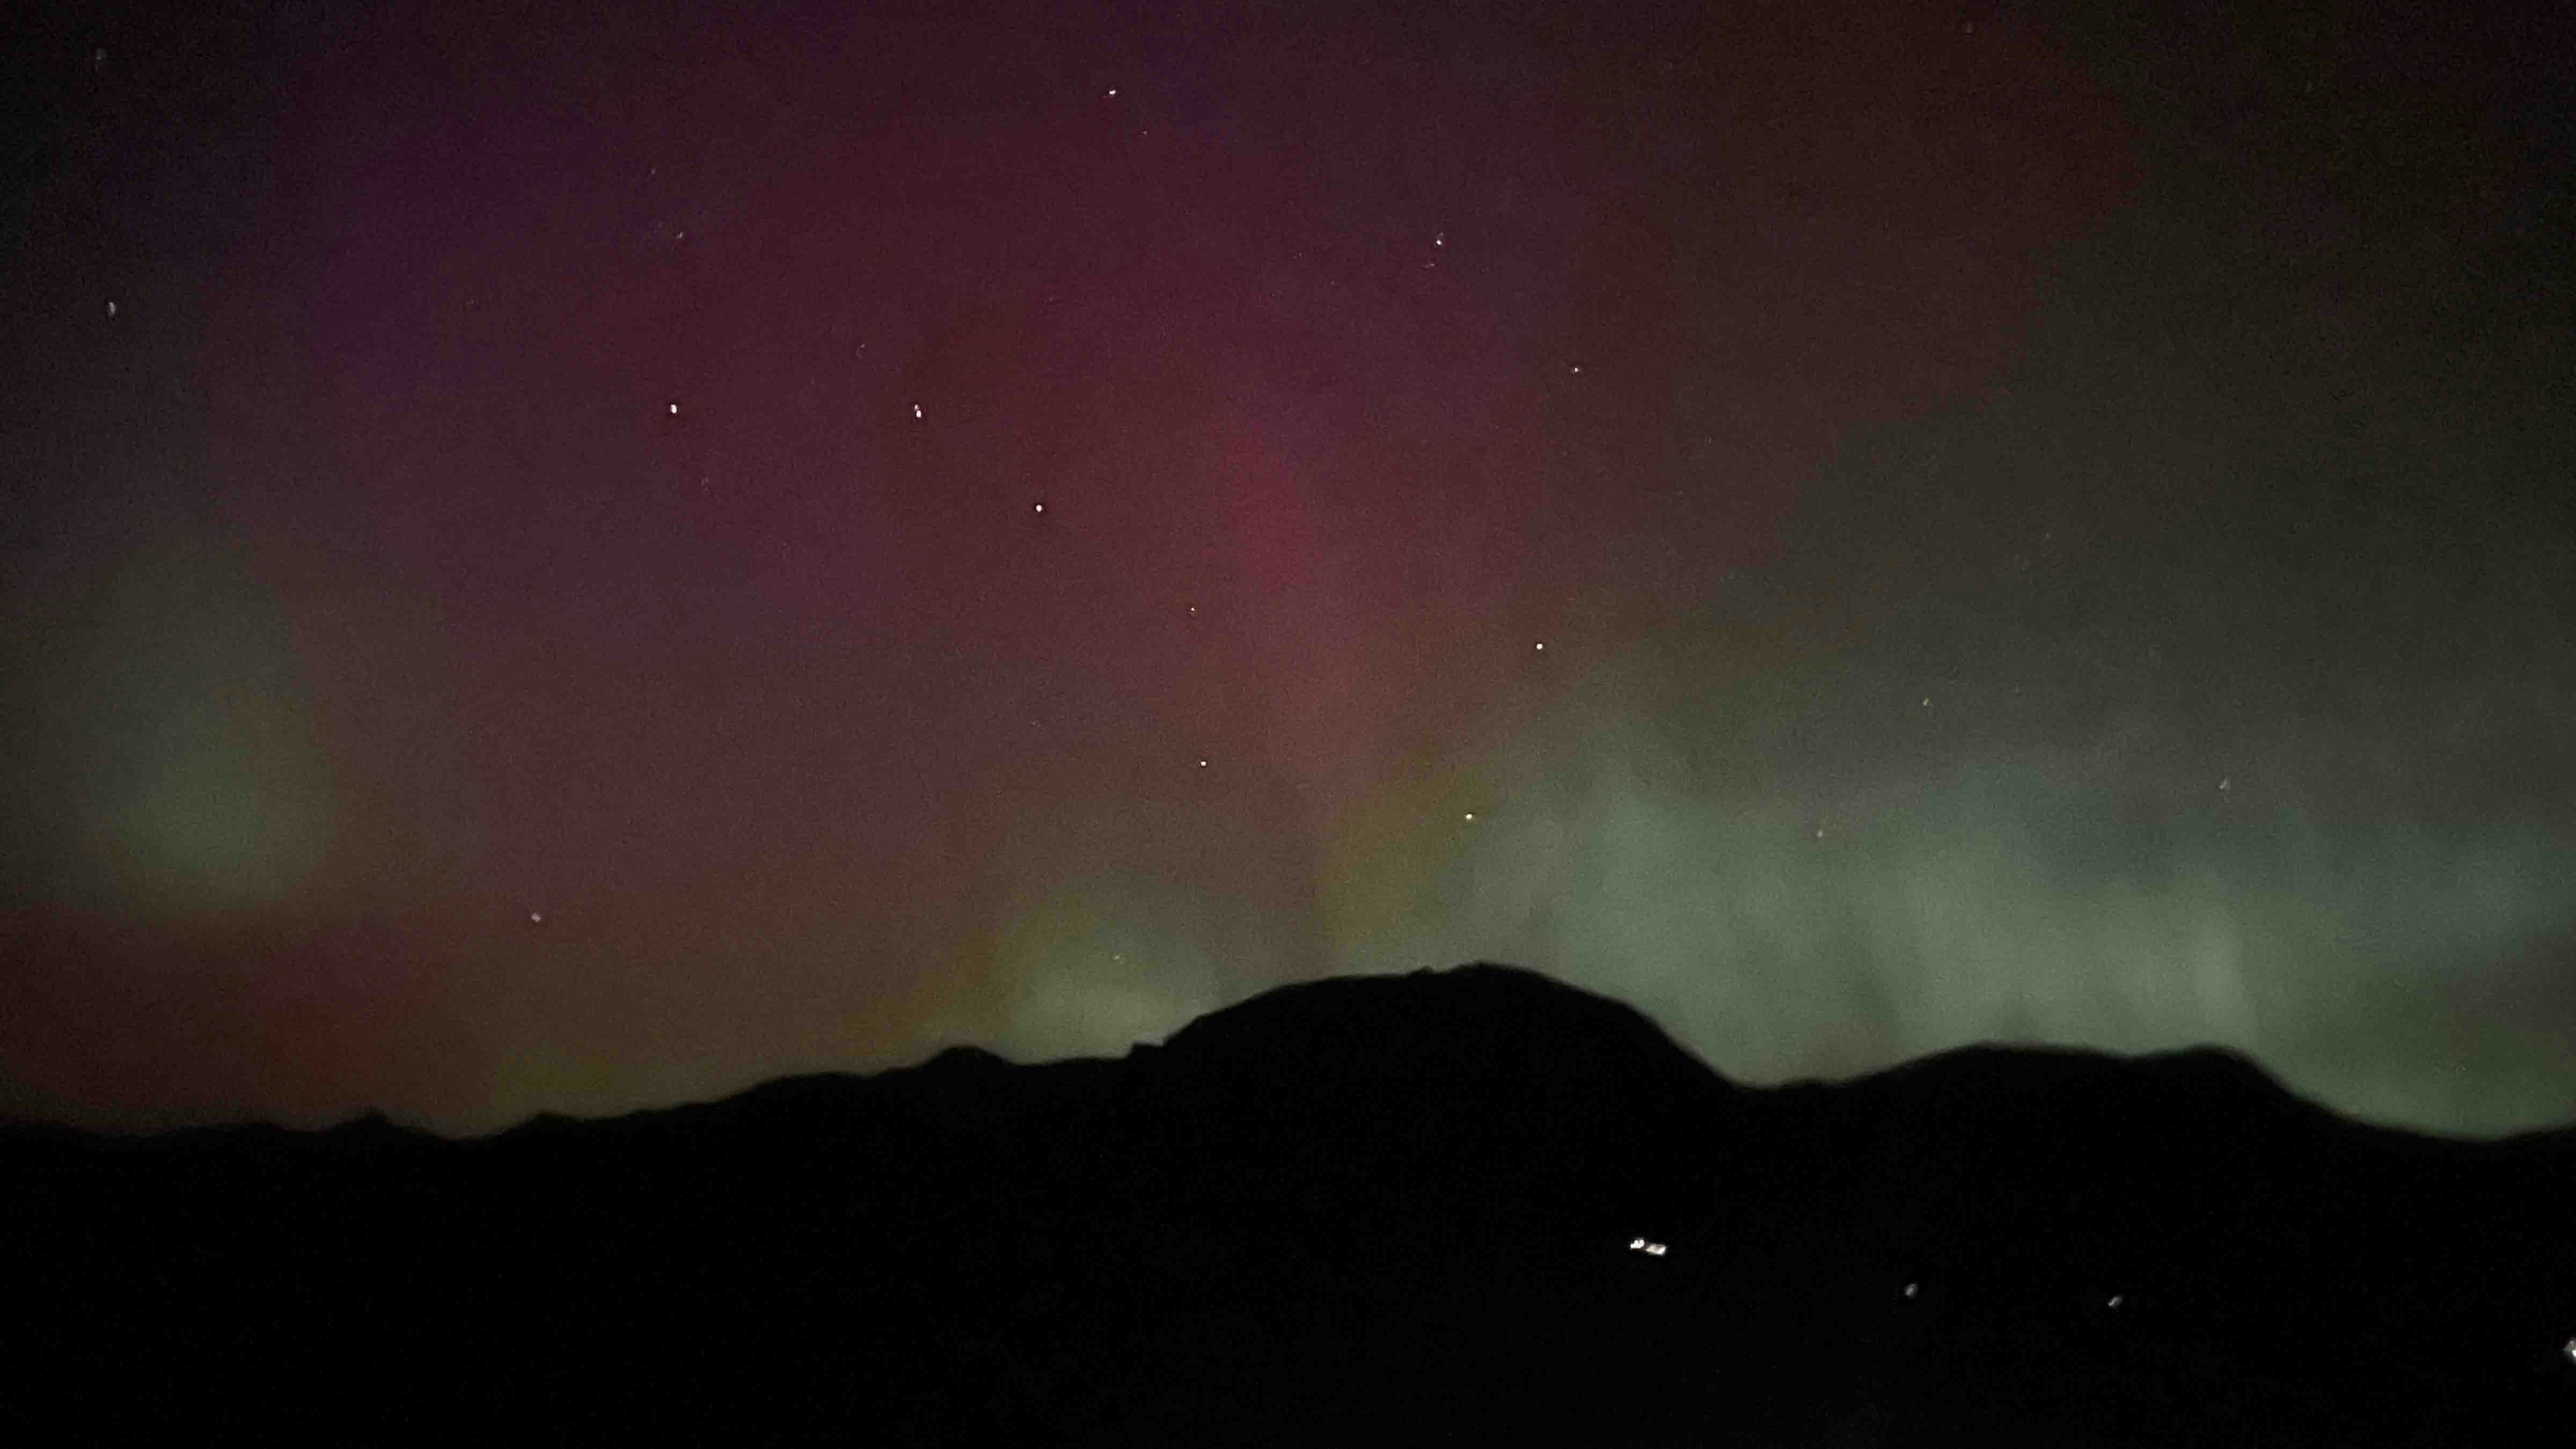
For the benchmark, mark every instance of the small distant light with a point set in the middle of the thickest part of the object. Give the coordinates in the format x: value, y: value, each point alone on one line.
x: 675, y: 410
x: 2569, y: 1348
x: 2118, y: 1298
x: 111, y: 309
x: 916, y: 410
x: 2223, y: 781
x: 1820, y: 832
x: 1650, y: 1249
x: 537, y: 917
x: 1471, y: 814
x: 1911, y: 1289
x: 1113, y: 90
x: 1541, y: 648
x: 1040, y: 507
x: 1927, y: 701
x: 1202, y: 764
x: 1578, y: 371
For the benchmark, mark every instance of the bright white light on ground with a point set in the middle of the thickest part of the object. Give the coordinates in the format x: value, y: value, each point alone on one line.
x: 1650, y: 1249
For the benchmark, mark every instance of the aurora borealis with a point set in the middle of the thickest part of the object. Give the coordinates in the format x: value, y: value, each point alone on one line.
x: 580, y: 556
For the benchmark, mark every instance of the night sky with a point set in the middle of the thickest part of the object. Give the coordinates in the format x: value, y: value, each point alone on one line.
x: 578, y: 556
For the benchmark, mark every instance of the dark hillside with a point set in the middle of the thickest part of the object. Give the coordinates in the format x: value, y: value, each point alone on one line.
x: 1404, y: 1209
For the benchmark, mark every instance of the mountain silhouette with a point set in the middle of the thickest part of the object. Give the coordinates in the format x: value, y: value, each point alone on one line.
x: 1469, y: 1206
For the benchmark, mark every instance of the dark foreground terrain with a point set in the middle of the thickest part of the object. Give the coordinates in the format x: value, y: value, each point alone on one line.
x: 1389, y: 1210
